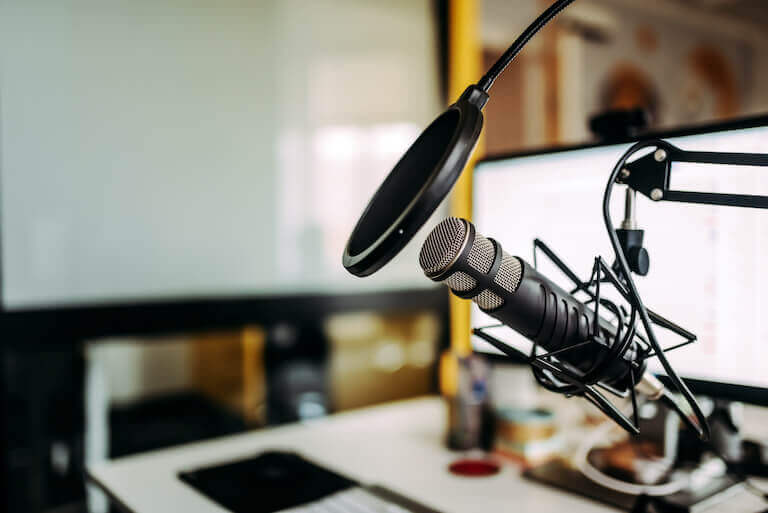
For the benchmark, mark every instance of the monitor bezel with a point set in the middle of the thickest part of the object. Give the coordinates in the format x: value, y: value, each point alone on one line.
x: 716, y: 389
x: 46, y: 326
x: 699, y: 129
x: 54, y: 326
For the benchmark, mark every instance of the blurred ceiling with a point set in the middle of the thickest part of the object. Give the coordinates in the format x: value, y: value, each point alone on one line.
x: 752, y: 11
x: 744, y: 19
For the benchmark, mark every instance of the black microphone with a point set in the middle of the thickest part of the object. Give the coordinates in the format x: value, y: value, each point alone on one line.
x: 512, y: 291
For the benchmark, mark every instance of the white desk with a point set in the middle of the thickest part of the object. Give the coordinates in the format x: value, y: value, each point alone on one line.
x: 399, y: 446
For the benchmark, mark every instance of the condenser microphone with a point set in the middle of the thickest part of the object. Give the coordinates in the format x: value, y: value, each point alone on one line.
x: 512, y: 291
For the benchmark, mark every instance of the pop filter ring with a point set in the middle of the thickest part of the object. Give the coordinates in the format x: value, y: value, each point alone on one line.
x: 398, y: 209
x: 382, y: 231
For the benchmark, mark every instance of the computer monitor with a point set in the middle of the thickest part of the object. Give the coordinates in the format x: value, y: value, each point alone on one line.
x: 708, y: 271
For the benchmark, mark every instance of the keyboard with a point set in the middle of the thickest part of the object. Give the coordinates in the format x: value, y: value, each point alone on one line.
x: 353, y: 500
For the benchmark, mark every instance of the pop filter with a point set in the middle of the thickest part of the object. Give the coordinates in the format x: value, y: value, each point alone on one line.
x: 415, y: 187
x: 426, y: 173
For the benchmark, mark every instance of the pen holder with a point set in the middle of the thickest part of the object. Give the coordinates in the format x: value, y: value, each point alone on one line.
x: 470, y: 416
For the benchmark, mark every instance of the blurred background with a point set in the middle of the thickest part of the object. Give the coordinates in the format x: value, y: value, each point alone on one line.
x: 178, y: 180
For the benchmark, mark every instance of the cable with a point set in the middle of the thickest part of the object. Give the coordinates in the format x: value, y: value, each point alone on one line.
x: 594, y: 474
x: 600, y: 433
x: 755, y: 490
x: 501, y: 64
x: 671, y: 402
x: 701, y: 427
x: 597, y: 476
x: 748, y: 485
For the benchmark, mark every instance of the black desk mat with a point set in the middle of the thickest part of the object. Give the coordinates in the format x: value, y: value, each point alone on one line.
x: 274, y: 481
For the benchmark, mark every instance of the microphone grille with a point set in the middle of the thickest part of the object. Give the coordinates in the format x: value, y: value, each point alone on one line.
x: 510, y: 273
x: 487, y: 300
x: 446, y: 242
x: 461, y: 281
x: 481, y: 254
x: 509, y: 276
x: 443, y: 245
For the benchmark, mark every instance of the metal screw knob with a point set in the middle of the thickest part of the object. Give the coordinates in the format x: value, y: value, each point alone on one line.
x: 656, y: 194
x: 660, y: 155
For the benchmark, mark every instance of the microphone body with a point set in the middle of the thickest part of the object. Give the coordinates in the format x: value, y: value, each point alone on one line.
x: 512, y: 291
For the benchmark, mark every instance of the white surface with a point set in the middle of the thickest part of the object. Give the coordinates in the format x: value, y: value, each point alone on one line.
x: 707, y: 263
x: 399, y: 446
x: 356, y: 499
x: 155, y: 149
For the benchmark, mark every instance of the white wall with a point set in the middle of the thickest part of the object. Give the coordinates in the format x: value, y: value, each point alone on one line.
x: 164, y: 148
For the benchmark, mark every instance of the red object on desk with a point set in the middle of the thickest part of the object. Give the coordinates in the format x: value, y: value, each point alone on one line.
x: 474, y: 468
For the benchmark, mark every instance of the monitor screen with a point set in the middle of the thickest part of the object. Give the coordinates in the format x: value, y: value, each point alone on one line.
x: 707, y: 265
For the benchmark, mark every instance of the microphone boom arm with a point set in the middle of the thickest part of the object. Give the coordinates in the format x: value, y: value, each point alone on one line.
x: 650, y: 175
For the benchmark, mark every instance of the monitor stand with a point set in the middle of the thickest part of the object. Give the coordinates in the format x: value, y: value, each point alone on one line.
x: 744, y: 457
x: 683, y: 450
